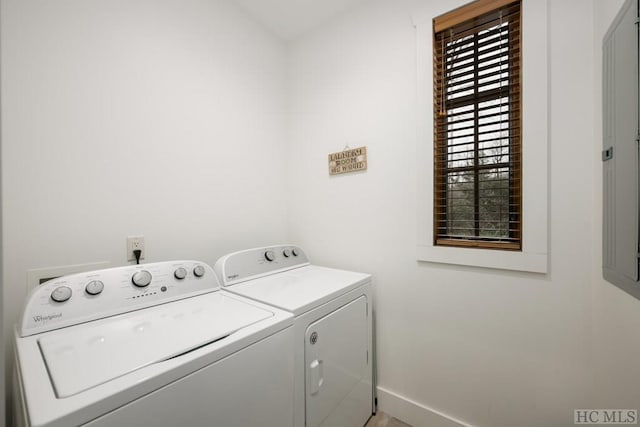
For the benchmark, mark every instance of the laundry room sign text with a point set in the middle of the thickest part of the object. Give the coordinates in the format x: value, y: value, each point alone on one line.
x: 350, y: 160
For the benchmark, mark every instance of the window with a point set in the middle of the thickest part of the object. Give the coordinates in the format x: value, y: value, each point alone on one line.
x: 477, y: 126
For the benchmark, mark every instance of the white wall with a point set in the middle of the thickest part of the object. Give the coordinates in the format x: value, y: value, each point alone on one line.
x: 157, y: 117
x: 616, y: 347
x: 486, y: 347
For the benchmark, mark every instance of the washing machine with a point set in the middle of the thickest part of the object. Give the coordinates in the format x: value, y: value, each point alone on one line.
x: 332, y: 328
x: 151, y: 345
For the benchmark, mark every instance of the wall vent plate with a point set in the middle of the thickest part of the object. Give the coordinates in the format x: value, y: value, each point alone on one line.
x: 38, y: 276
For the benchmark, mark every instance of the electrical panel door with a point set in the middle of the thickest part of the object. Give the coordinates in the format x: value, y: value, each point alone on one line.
x: 621, y: 137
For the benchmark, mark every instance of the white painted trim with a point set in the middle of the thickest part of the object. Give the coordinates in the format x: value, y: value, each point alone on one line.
x: 414, y: 413
x: 534, y: 254
x: 503, y: 260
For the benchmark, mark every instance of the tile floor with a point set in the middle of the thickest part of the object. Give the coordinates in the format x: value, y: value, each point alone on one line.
x: 383, y: 420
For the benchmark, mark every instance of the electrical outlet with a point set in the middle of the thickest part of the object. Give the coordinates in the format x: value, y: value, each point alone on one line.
x: 133, y: 243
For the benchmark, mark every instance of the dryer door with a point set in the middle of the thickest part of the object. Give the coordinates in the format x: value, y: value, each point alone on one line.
x: 338, y: 373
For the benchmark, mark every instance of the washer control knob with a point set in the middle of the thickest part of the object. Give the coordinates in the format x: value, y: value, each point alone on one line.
x: 198, y: 271
x: 141, y: 278
x: 269, y: 256
x: 94, y: 287
x: 286, y: 253
x: 180, y: 273
x: 61, y: 294
x: 294, y: 252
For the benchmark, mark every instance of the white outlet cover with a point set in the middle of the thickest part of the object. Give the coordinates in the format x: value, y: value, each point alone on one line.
x: 131, y: 242
x: 38, y: 276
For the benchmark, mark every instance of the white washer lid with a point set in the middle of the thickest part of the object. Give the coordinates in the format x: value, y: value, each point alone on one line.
x: 301, y: 289
x: 90, y: 354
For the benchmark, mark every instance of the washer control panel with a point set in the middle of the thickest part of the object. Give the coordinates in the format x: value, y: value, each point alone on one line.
x: 84, y: 297
x: 251, y: 263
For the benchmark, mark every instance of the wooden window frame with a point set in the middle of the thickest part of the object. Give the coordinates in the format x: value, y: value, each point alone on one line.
x: 461, y: 22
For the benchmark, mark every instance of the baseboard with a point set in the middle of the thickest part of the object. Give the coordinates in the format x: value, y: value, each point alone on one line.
x: 413, y: 413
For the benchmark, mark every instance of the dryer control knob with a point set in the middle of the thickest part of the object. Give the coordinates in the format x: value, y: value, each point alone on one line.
x: 269, y: 256
x: 61, y: 294
x: 180, y: 273
x: 286, y: 253
x: 94, y: 287
x: 198, y: 271
x: 294, y: 251
x: 141, y: 278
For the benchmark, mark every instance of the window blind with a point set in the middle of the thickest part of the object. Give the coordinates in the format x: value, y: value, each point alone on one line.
x: 477, y: 126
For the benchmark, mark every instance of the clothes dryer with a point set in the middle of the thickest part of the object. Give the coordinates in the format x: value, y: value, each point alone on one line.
x: 151, y: 345
x: 333, y: 329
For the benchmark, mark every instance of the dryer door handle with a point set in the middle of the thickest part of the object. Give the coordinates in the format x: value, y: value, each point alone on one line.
x: 316, y: 376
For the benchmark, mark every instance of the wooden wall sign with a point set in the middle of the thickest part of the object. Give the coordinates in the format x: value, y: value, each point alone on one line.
x: 349, y: 160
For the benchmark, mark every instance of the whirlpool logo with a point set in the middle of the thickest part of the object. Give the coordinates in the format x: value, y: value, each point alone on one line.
x: 46, y: 318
